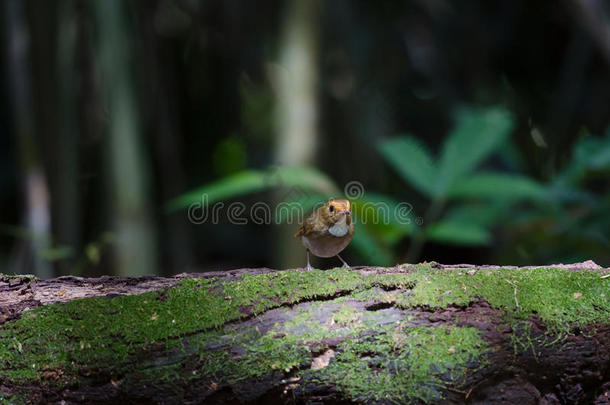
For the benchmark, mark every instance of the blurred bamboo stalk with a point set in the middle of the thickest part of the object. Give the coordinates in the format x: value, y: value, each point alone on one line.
x: 35, y: 190
x: 161, y: 121
x: 297, y: 106
x: 593, y: 16
x: 67, y: 225
x: 134, y: 229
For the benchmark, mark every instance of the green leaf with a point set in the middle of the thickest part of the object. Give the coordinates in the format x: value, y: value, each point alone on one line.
x: 458, y: 233
x: 301, y: 176
x: 593, y: 152
x: 477, y: 134
x: 306, y: 202
x: 56, y: 253
x: 481, y: 214
x: 295, y: 179
x: 365, y: 244
x: 498, y: 186
x: 229, y: 156
x: 235, y: 185
x: 412, y: 162
x: 590, y: 154
x: 383, y: 211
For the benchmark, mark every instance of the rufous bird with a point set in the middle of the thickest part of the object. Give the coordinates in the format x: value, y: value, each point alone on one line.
x: 328, y: 230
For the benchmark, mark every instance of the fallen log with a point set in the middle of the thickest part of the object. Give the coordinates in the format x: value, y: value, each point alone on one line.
x: 426, y: 333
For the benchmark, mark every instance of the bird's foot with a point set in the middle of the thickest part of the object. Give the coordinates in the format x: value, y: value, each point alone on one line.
x: 345, y: 265
x: 308, y: 265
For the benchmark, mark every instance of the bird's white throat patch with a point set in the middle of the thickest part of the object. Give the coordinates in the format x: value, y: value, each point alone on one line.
x: 340, y: 228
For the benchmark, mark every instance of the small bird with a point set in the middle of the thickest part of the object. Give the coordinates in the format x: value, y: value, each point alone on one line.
x: 328, y: 230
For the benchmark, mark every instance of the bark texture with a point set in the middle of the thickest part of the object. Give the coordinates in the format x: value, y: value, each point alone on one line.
x: 523, y: 361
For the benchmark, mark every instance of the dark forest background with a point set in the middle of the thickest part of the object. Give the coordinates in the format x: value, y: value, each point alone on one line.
x: 490, y: 119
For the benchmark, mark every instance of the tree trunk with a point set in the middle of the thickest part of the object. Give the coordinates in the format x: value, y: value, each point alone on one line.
x: 296, y: 84
x: 423, y: 333
x: 37, y: 218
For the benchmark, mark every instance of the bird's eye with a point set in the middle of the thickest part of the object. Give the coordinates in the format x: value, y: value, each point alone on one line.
x: 331, y: 208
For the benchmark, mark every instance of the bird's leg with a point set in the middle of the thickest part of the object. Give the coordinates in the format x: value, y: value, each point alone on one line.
x: 308, y: 265
x: 344, y: 263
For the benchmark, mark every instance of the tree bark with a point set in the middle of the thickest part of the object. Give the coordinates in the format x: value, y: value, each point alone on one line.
x: 524, y: 360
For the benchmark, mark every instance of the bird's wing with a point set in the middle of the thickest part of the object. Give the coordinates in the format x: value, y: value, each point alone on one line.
x: 310, y: 225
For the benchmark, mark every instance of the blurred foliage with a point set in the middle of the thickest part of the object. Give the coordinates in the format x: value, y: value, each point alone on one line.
x: 229, y: 156
x: 250, y: 181
x: 305, y: 188
x: 204, y: 83
x: 90, y: 255
x: 467, y: 206
x: 477, y: 200
x: 572, y: 223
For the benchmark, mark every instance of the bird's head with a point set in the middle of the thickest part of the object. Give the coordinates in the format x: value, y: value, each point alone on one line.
x: 335, y: 210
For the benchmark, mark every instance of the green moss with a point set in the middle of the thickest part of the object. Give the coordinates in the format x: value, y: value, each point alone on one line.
x: 287, y: 345
x: 26, y: 277
x: 116, y: 336
x: 402, y: 363
x: 12, y: 399
x: 346, y: 316
x: 562, y: 298
x: 106, y: 332
x: 393, y: 362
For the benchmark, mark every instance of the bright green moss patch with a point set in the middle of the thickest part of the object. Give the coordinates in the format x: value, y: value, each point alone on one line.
x: 107, y: 332
x: 562, y: 298
x: 287, y: 345
x: 394, y: 362
x: 347, y: 316
x: 402, y: 363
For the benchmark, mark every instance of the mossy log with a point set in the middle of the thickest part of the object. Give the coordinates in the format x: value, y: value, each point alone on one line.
x: 424, y: 333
